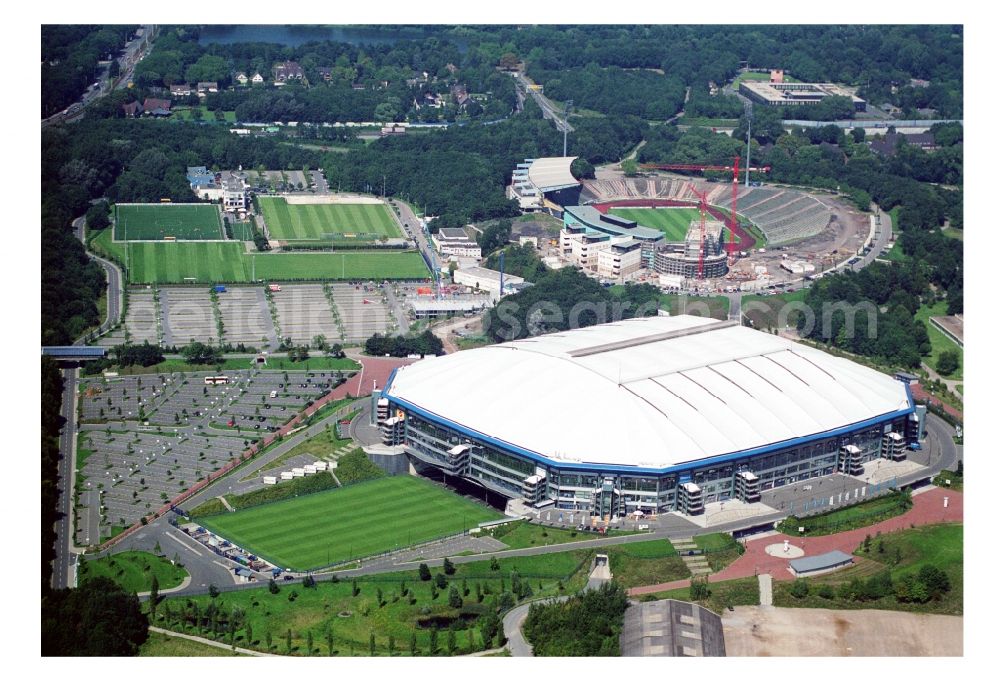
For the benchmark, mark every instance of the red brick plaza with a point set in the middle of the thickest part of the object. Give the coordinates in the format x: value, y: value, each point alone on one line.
x: 928, y: 508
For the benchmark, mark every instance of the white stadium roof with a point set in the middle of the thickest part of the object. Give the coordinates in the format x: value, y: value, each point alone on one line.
x: 648, y: 392
x: 552, y: 173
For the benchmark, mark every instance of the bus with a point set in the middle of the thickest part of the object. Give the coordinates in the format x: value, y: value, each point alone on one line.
x: 216, y: 380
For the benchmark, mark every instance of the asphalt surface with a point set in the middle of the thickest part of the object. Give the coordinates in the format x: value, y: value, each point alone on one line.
x: 549, y: 110
x: 513, y: 621
x: 115, y: 289
x: 62, y: 575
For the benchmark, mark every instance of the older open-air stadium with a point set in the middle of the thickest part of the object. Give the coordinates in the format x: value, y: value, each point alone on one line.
x: 652, y: 414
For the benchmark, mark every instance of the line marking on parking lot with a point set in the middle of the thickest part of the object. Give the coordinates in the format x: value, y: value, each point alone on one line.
x: 182, y: 543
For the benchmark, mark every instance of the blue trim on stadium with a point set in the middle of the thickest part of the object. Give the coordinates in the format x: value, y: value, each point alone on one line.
x: 649, y: 471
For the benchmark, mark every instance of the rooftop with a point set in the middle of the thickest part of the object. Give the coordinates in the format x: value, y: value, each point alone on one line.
x: 678, y: 390
x: 552, y: 173
x: 612, y: 225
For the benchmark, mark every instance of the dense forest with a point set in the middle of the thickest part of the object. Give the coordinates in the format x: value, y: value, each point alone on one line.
x: 588, y: 624
x: 70, y: 56
x: 614, y: 91
x: 52, y: 422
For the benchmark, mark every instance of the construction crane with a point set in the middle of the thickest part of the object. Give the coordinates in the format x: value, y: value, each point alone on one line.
x: 732, y: 225
x: 702, y: 207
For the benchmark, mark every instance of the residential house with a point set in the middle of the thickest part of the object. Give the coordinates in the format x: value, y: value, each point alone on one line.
x: 242, y: 79
x: 180, y: 90
x: 133, y: 109
x: 156, y: 107
x: 257, y: 79
x: 325, y: 73
x: 460, y: 94
x: 207, y: 88
x: 887, y: 146
x: 287, y: 71
x: 358, y: 86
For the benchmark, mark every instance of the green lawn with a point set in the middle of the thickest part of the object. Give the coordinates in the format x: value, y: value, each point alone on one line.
x: 320, y: 221
x: 848, y: 518
x: 354, y: 265
x: 184, y: 114
x: 769, y: 311
x: 742, y: 592
x: 720, y: 549
x: 954, y: 233
x: 134, y: 571
x: 939, y: 341
x: 711, y: 306
x: 222, y: 262
x: 353, y: 618
x: 643, y: 563
x: 522, y: 534
x: 673, y: 222
x: 156, y: 221
x: 938, y: 545
x: 325, y: 528
x: 708, y: 122
x: 161, y: 645
x: 179, y: 262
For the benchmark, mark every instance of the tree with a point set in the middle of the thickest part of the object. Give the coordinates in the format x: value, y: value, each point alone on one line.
x: 273, y: 587
x: 97, y: 216
x: 288, y: 641
x: 434, y: 640
x: 308, y: 582
x: 947, y: 362
x: 452, y: 268
x: 494, y: 563
x: 449, y: 567
x: 413, y: 644
x: 154, y: 594
x: 99, y: 618
x: 700, y: 590
x: 424, y: 572
x: 630, y: 167
x: 371, y: 643
x: 199, y: 353
x: 799, y: 588
x: 858, y: 134
x: 452, y: 644
x: 441, y: 581
x: 454, y: 597
x: 319, y: 342
x: 355, y: 590
x: 495, y: 236
x: 213, y: 591
x: 309, y: 643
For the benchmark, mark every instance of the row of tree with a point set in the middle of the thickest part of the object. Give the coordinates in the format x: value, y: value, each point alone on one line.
x: 401, y: 346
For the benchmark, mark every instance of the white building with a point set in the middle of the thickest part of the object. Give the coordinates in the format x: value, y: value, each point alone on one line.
x: 455, y: 242
x: 619, y: 260
x: 485, y: 279
x: 583, y: 248
x: 533, y: 178
x: 234, y: 197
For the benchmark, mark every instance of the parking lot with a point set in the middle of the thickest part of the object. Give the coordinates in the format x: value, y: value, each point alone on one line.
x: 146, y: 439
x: 140, y: 320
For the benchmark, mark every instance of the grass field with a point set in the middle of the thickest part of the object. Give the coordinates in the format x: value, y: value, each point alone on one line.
x: 672, y: 222
x: 244, y: 363
x: 939, y: 341
x: 768, y: 312
x: 320, y: 221
x: 156, y: 221
x: 220, y: 262
x: 134, y: 571
x: 161, y: 645
x: 173, y: 262
x: 324, y: 528
x: 351, y: 265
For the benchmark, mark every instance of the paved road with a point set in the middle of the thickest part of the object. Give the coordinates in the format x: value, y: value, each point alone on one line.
x: 397, y: 309
x: 549, y: 109
x: 413, y: 228
x: 200, y: 639
x: 513, y: 621
x: 62, y: 575
x: 115, y: 289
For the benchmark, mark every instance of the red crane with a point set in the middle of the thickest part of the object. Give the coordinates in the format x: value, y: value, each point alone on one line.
x: 731, y: 244
x: 702, y: 207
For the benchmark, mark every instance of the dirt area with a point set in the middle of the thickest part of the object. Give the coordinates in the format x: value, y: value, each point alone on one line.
x: 808, y: 632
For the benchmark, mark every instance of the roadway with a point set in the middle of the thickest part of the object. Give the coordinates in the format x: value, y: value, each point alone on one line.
x: 62, y: 573
x: 115, y: 288
x: 549, y: 109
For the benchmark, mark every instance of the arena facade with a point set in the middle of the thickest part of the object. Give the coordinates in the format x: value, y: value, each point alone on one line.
x: 652, y: 414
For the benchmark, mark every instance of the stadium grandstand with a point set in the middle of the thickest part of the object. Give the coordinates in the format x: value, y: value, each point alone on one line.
x: 678, y: 412
x: 544, y: 184
x: 781, y: 215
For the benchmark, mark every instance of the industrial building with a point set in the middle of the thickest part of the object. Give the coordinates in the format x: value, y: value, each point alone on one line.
x: 652, y: 414
x: 544, y: 184
x: 796, y: 93
x: 695, y: 257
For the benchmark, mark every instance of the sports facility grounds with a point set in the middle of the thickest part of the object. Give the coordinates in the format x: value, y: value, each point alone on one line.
x: 673, y: 222
x: 291, y: 222
x: 320, y: 529
x: 137, y: 222
x: 221, y: 262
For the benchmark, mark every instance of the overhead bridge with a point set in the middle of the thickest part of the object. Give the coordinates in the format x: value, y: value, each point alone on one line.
x: 74, y: 352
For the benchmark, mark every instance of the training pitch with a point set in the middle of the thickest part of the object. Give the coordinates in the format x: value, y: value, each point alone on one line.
x: 221, y: 262
x: 159, y: 221
x: 290, y: 222
x: 673, y: 222
x: 342, y: 524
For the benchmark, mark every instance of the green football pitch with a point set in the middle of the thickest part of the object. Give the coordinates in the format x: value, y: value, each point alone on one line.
x: 673, y: 222
x: 290, y: 222
x: 220, y: 262
x: 341, y: 524
x: 157, y: 221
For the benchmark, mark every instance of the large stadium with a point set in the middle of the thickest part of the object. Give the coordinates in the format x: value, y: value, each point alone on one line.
x: 652, y: 414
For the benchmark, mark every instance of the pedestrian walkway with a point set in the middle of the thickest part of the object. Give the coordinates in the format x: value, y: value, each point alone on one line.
x: 928, y: 508
x: 696, y: 563
x: 225, y: 504
x: 216, y: 644
x: 766, y: 597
